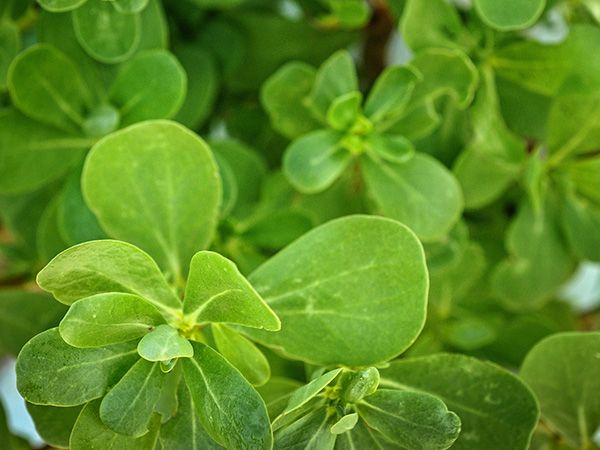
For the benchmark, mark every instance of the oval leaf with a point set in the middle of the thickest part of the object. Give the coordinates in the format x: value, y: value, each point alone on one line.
x: 164, y: 344
x: 509, y: 14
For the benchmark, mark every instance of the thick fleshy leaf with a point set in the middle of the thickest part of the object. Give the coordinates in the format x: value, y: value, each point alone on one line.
x: 421, y: 193
x: 510, y: 14
x: 24, y: 314
x: 151, y: 85
x: 127, y: 408
x: 284, y: 96
x: 230, y: 409
x: 564, y: 372
x: 164, y: 344
x: 90, y: 433
x: 51, y: 372
x: 105, y: 33
x: 33, y: 154
x: 585, y: 174
x: 130, y: 6
x: 495, y: 407
x: 335, y: 77
x: 54, y: 424
x: 311, y: 432
x: 390, y: 95
x: 107, y: 266
x: 61, y: 5
x: 143, y: 183
x: 581, y: 224
x: 314, y: 161
x: 185, y: 430
x: 329, y: 295
x: 344, y: 111
x: 110, y: 318
x: 242, y: 354
x: 390, y: 147
x: 46, y: 86
x: 414, y: 420
x: 346, y: 423
x: 217, y: 292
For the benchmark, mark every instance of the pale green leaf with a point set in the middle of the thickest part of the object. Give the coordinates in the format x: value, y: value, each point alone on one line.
x: 61, y: 5
x: 151, y: 85
x: 164, y: 344
x: 156, y: 185
x: 344, y: 111
x: 231, y: 411
x: 217, y: 292
x: 110, y: 318
x: 51, y: 372
x: 352, y: 292
x: 107, y: 266
x: 127, y: 408
x: 509, y: 14
x: 390, y: 147
x: 314, y: 161
x: 421, y: 193
x: 495, y: 407
x: 564, y: 372
x: 346, y: 423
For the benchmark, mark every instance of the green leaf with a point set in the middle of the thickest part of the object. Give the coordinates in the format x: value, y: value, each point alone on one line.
x: 421, y: 193
x: 90, y: 433
x: 361, y: 436
x: 51, y: 372
x: 242, y: 354
x: 54, y: 424
x: 346, y: 423
x: 130, y: 6
x: 314, y: 161
x: 581, y: 224
x: 105, y: 319
x: 390, y: 147
x: 143, y: 183
x: 218, y: 292
x: 232, y: 412
x: 151, y: 85
x: 390, y: 95
x: 24, y: 314
x: 585, y: 174
x: 9, y: 48
x: 564, y: 373
x: 61, y: 5
x: 414, y: 420
x: 311, y: 432
x: 107, y: 266
x: 301, y: 396
x: 278, y: 229
x: 336, y: 301
x: 284, y: 96
x: 185, y: 430
x: 104, y: 33
x: 335, y: 77
x: 511, y: 14
x: 344, y: 111
x: 355, y: 385
x: 48, y: 240
x: 127, y: 408
x: 46, y: 85
x: 495, y: 407
x: 33, y: 154
x: 164, y: 344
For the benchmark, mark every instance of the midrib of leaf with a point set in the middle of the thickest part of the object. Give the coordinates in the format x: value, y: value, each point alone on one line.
x: 112, y: 325
x: 96, y: 361
x: 193, y: 316
x: 62, y: 104
x: 316, y: 434
x: 138, y: 395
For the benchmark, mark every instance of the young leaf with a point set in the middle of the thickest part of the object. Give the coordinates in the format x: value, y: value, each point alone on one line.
x: 411, y: 419
x: 107, y: 266
x: 329, y: 296
x: 510, y: 14
x: 110, y: 318
x: 185, y: 429
x: 284, y: 96
x: 54, y: 424
x: 420, y: 193
x: 313, y: 162
x: 156, y: 185
x: 232, y: 412
x: 564, y: 373
x: 346, y: 423
x: 33, y: 154
x: 218, y: 292
x: 336, y: 77
x: 105, y: 33
x: 344, y: 111
x: 164, y: 344
x: 51, y: 372
x: 46, y: 86
x: 90, y: 433
x: 391, y: 148
x: 242, y: 354
x: 151, y: 85
x: 128, y: 407
x: 495, y: 407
